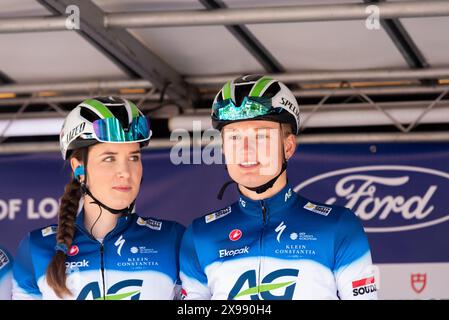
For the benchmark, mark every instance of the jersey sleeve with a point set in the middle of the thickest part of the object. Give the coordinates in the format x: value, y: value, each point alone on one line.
x: 24, y: 285
x: 193, y: 278
x: 179, y: 231
x: 6, y: 263
x: 353, y: 269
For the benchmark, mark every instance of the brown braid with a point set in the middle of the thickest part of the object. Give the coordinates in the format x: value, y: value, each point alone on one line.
x: 56, y: 270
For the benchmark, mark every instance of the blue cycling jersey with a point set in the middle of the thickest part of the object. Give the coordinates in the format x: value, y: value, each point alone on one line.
x: 138, y: 259
x: 284, y: 247
x: 5, y: 274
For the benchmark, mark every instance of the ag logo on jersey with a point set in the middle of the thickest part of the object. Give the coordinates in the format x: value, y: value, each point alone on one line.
x: 271, y: 287
x: 130, y: 289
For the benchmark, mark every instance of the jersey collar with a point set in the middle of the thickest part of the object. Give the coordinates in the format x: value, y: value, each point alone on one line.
x: 122, y: 223
x: 281, y: 201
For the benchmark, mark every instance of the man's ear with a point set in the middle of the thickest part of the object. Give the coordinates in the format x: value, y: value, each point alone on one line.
x: 289, y: 146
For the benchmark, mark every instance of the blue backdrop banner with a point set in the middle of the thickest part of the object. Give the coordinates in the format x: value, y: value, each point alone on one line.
x: 398, y: 190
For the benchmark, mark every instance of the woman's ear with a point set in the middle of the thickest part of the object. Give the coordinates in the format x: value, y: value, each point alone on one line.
x: 75, y: 163
x: 77, y: 169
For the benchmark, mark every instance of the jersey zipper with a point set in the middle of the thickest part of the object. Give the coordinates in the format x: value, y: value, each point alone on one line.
x: 102, y: 270
x: 101, y: 258
x: 264, y: 220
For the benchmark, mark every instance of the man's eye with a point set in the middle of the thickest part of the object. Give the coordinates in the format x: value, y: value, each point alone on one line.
x: 234, y: 137
x: 108, y: 159
x: 134, y: 158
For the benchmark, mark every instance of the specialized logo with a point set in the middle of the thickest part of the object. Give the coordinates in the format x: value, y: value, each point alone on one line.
x: 4, y: 260
x: 49, y: 230
x: 150, y: 223
x: 242, y: 202
x: 269, y: 283
x: 418, y: 281
x: 279, y: 229
x: 290, y: 106
x: 230, y: 253
x: 235, y: 235
x: 217, y: 215
x: 388, y: 198
x: 127, y: 289
x: 363, y: 286
x: 73, y: 251
x: 119, y: 244
x: 318, y: 209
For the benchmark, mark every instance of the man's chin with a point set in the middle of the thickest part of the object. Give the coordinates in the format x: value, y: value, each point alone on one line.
x: 251, y: 183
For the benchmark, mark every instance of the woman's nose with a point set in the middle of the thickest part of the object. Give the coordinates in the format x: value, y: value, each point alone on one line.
x: 123, y: 170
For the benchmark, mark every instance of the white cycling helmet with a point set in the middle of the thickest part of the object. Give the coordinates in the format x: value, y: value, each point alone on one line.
x: 103, y: 119
x: 255, y: 97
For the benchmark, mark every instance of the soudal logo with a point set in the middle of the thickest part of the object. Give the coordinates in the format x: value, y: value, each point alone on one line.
x: 77, y: 264
x: 235, y: 235
x: 387, y: 198
x: 73, y: 251
x: 230, y: 253
x: 363, y: 286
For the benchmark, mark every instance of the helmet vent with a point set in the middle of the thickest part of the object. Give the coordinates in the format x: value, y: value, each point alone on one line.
x: 121, y: 114
x: 241, y: 91
x: 272, y: 90
x: 88, y: 114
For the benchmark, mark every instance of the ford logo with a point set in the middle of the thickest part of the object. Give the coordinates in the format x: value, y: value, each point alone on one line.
x: 386, y: 198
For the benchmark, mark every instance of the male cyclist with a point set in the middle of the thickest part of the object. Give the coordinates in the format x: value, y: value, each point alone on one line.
x: 272, y: 243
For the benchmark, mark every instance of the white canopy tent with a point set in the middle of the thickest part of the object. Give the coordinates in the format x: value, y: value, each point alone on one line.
x: 345, y: 69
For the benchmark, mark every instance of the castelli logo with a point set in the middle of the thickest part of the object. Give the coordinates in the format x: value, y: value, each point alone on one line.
x: 73, y: 251
x: 389, y: 198
x: 183, y: 294
x: 235, y: 234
